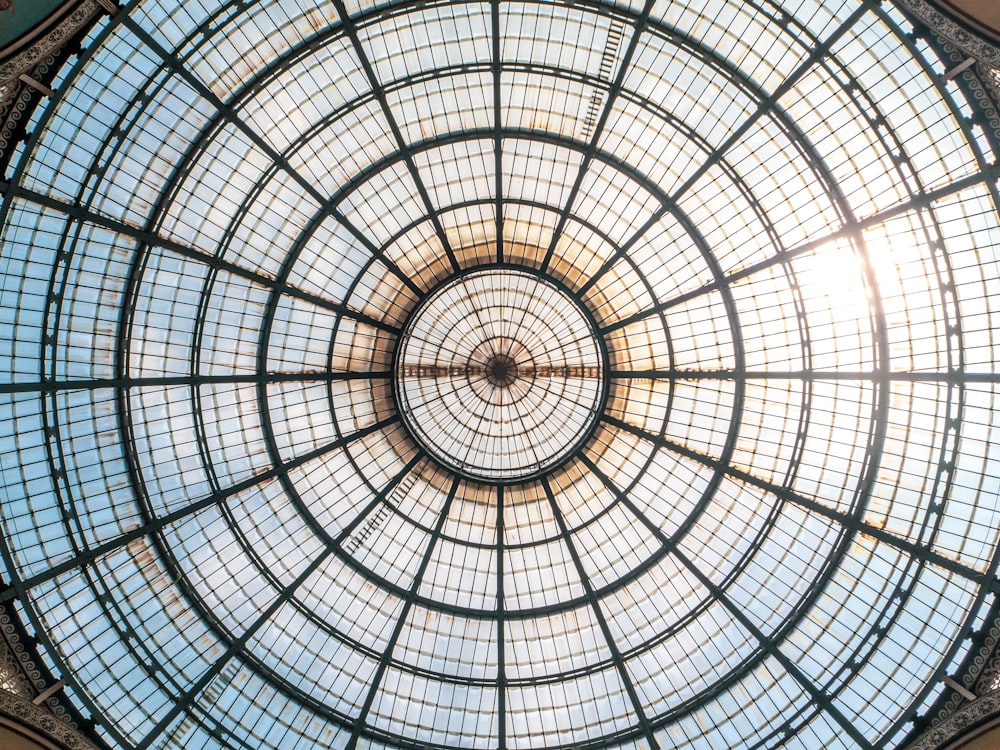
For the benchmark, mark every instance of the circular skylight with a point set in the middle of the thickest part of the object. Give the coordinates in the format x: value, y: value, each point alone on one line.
x: 501, y: 375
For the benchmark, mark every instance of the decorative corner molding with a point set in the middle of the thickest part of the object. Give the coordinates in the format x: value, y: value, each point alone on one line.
x: 49, y: 44
x: 973, y: 714
x: 19, y: 672
x: 959, y: 44
x: 966, y: 41
x: 25, y: 713
x: 991, y: 79
x: 36, y: 61
x: 12, y: 676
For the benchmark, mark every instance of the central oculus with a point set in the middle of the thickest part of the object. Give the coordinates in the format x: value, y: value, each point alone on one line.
x: 500, y: 374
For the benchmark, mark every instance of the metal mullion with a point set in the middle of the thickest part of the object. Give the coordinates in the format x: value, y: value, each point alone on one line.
x: 41, y: 127
x: 857, y: 93
x: 185, y: 701
x: 277, y: 159
x: 513, y: 133
x: 331, y: 544
x: 370, y: 246
x: 588, y: 157
x: 719, y: 283
x: 123, y: 413
x: 378, y: 90
x: 19, y: 588
x: 55, y: 458
x: 925, y: 199
x: 408, y: 601
x: 592, y: 521
x: 595, y: 605
x: 853, y: 523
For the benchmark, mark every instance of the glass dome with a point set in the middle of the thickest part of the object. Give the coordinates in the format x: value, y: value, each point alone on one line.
x: 501, y: 375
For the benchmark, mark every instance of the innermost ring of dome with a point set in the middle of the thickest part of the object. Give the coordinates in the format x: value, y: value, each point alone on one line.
x: 500, y: 375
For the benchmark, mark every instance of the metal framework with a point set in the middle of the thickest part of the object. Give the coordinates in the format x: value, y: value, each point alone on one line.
x: 727, y: 480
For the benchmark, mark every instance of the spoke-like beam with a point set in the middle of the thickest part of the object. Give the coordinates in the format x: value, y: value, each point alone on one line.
x: 821, y: 50
x: 185, y: 701
x: 497, y: 126
x: 922, y: 201
x: 408, y: 601
x: 378, y: 90
x: 501, y: 628
x: 260, y: 142
x: 595, y: 606
x: 767, y: 644
x: 922, y: 552
x: 818, y: 697
x: 950, y: 377
x: 93, y: 384
x: 20, y: 587
x: 609, y: 102
x: 151, y: 239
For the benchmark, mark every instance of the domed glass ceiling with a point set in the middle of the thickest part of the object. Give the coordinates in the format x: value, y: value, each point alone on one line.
x: 501, y: 375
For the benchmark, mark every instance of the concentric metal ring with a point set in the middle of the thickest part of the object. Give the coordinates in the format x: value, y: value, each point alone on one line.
x: 263, y: 489
x: 500, y: 374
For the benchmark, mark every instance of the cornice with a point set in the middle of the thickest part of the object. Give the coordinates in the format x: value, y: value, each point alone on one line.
x: 970, y: 716
x: 972, y: 44
x: 23, y: 712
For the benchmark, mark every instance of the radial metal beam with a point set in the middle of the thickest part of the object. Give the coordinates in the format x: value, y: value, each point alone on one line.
x: 408, y: 601
x: 817, y: 696
x: 495, y: 71
x: 821, y: 50
x: 767, y: 644
x: 184, y: 702
x: 378, y: 90
x: 918, y: 202
x: 18, y: 588
x: 167, y: 381
x: 501, y: 632
x: 276, y: 158
x: 948, y: 377
x: 151, y: 239
x: 588, y: 156
x: 602, y: 621
x: 922, y: 552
